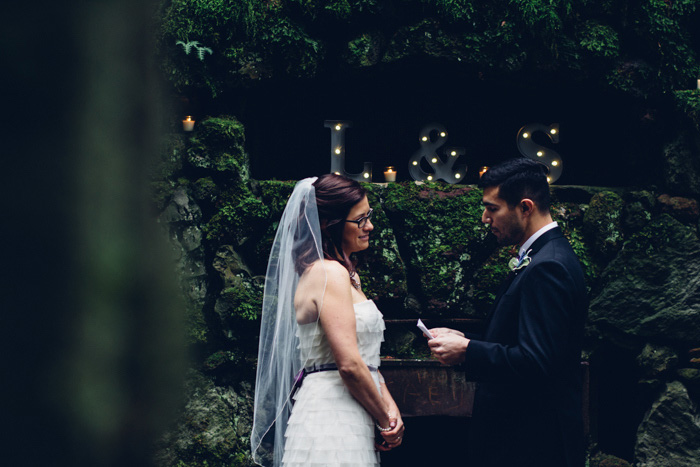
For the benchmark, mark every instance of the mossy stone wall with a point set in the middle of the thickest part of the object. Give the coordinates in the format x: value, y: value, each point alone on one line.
x: 430, y: 257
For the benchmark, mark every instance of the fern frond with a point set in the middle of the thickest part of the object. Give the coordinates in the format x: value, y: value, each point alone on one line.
x: 184, y: 46
x: 188, y: 45
x: 202, y: 50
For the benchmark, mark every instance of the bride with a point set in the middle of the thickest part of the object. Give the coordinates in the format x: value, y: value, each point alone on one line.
x: 319, y: 326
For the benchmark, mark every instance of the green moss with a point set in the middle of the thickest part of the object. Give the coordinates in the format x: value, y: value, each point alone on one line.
x: 548, y: 17
x: 218, y: 359
x: 161, y: 194
x: 245, y: 300
x: 665, y: 58
x: 300, y: 53
x: 214, y: 429
x: 591, y: 268
x: 439, y: 231
x: 239, y: 217
x: 262, y: 39
x: 196, y: 325
x: 274, y: 195
x: 603, y: 223
x: 570, y: 217
x: 688, y: 102
x: 661, y: 26
x: 336, y: 10
x: 429, y: 39
x: 364, y: 50
x: 170, y: 158
x: 218, y: 144
x: 204, y: 189
x: 455, y: 10
x: 402, y: 341
x: 598, y: 39
x: 656, y: 236
x: 381, y: 268
x: 250, y: 40
x: 489, y: 277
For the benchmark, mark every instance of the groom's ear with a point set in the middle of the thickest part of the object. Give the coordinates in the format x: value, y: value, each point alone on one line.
x: 527, y: 206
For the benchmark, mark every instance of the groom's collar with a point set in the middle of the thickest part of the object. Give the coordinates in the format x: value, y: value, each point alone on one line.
x: 531, y: 241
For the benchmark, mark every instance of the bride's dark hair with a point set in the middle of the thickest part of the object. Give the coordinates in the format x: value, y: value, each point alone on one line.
x: 335, y: 196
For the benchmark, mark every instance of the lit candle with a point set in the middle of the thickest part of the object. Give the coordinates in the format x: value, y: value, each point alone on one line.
x: 188, y: 123
x: 390, y: 174
x: 699, y: 84
x: 482, y: 171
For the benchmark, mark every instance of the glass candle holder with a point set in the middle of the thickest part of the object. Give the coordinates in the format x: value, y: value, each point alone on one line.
x: 188, y: 123
x: 390, y: 174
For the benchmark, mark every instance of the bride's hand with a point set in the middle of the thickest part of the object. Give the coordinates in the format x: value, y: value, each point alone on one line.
x: 394, y: 437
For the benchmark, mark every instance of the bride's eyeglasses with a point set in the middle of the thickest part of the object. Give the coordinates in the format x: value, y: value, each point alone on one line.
x: 362, y: 220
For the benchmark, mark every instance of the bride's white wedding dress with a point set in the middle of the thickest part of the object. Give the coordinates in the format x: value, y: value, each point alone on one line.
x: 327, y: 425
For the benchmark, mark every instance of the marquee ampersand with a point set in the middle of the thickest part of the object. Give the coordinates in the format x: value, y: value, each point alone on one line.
x: 428, y: 150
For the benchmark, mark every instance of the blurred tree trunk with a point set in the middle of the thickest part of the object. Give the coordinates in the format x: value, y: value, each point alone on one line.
x: 92, y: 348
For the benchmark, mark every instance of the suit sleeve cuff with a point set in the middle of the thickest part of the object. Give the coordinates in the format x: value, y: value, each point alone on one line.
x: 473, y: 359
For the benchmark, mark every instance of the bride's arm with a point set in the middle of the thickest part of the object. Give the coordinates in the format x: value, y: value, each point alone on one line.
x: 338, y: 322
x: 392, y: 437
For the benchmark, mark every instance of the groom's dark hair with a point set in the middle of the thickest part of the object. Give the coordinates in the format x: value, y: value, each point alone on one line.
x: 518, y: 179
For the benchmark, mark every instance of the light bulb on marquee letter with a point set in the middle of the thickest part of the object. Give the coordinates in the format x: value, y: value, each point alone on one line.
x: 534, y: 151
x: 442, y: 170
x: 338, y: 128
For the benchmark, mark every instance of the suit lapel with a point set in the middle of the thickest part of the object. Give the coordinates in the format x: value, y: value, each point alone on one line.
x: 544, y: 238
x: 502, y: 290
x: 536, y: 246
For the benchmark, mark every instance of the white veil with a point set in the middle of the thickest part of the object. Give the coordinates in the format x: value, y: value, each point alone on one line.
x: 298, y: 240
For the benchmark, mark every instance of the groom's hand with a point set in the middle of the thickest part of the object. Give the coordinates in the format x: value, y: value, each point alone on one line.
x: 448, y: 347
x: 437, y: 332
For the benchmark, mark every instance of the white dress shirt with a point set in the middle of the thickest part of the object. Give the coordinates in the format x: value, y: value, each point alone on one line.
x: 528, y: 243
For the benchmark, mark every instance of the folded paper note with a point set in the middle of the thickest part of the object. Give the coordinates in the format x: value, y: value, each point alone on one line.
x: 422, y: 327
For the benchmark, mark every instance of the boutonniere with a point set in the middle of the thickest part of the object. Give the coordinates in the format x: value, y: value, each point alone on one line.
x: 516, y: 264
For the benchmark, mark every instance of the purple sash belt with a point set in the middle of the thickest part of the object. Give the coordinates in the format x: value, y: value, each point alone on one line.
x: 316, y: 369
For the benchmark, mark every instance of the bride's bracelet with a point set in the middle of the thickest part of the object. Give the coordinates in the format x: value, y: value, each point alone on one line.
x: 383, y: 430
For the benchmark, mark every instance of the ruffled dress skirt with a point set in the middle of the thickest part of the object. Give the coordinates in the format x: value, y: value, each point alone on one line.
x: 328, y: 426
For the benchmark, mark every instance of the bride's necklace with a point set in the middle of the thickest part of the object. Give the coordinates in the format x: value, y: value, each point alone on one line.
x: 353, y: 281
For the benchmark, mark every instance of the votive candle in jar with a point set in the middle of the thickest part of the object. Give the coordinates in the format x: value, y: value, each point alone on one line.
x: 390, y: 174
x: 188, y: 123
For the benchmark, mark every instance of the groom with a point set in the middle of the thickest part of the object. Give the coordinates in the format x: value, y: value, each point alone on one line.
x: 528, y: 400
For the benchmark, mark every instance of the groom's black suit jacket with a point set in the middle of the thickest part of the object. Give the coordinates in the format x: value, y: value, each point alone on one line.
x: 528, y: 400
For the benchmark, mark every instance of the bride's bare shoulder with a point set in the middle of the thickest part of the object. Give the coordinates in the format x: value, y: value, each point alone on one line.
x: 325, y: 269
